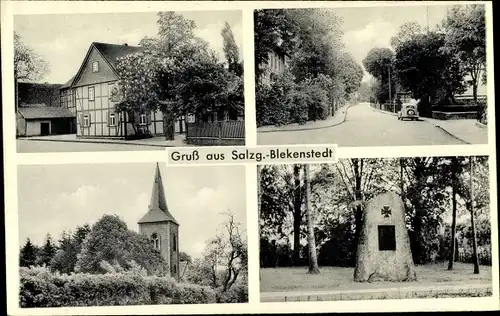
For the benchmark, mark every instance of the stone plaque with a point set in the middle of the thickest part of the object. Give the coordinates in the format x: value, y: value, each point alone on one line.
x: 386, y: 237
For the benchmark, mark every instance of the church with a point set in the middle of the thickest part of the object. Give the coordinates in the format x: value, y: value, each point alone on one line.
x: 161, y: 228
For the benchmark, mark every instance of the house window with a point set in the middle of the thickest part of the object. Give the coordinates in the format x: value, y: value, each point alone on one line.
x: 155, y: 241
x: 91, y: 94
x: 86, y: 120
x: 73, y: 97
x: 95, y: 66
x: 143, y: 119
x: 112, y: 119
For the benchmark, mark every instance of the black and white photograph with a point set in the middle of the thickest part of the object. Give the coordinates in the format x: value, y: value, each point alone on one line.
x: 128, y: 81
x: 371, y: 76
x: 366, y: 229
x: 131, y: 234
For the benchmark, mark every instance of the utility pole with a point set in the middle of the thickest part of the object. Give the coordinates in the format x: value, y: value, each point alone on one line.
x: 390, y: 92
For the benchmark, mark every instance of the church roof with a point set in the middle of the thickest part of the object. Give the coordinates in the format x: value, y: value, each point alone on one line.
x: 158, y: 210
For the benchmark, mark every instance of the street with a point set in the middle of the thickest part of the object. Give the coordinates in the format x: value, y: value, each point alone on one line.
x: 365, y: 126
x: 34, y: 146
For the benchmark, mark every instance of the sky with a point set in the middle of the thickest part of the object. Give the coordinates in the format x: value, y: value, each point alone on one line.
x: 63, y: 39
x: 366, y: 28
x: 57, y: 198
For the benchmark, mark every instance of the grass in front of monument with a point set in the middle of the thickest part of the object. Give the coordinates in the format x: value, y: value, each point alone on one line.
x: 338, y: 278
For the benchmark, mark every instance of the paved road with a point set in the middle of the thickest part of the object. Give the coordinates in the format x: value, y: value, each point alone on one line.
x: 33, y: 146
x: 365, y: 126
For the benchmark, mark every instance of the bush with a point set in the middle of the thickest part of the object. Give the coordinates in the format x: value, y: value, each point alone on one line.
x: 41, y: 288
x: 238, y: 293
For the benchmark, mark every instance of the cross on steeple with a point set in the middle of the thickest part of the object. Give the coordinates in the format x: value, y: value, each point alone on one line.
x: 386, y: 211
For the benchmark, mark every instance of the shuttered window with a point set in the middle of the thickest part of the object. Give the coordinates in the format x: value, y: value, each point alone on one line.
x: 112, y: 119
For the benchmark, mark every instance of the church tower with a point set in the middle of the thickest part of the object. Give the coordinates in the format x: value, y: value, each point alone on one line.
x: 160, y: 227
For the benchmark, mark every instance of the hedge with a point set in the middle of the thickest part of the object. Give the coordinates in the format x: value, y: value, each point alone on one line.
x: 41, y: 288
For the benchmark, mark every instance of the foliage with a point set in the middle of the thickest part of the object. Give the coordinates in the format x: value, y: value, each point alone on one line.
x: 178, y: 74
x: 69, y: 247
x: 425, y: 70
x: 231, y: 51
x: 28, y: 254
x: 47, y: 251
x: 41, y: 288
x: 339, y: 194
x: 28, y: 65
x: 378, y: 62
x: 406, y: 32
x: 111, y: 241
x: 465, y: 38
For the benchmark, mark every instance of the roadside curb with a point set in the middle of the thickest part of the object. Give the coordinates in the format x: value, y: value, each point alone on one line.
x: 450, y: 134
x: 481, y: 125
x: 402, y: 292
x: 438, y: 126
x: 310, y: 128
x: 93, y: 142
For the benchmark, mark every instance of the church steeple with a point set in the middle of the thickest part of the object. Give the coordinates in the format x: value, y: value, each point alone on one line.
x: 158, y: 210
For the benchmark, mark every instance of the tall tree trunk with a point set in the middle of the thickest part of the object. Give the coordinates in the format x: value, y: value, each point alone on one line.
x: 311, y: 242
x: 297, y: 215
x: 358, y: 216
x: 259, y: 199
x: 454, y: 170
x: 474, y: 238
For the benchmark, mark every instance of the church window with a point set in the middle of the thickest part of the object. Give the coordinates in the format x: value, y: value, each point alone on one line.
x: 174, y: 268
x: 174, y: 241
x: 155, y: 241
x: 386, y: 237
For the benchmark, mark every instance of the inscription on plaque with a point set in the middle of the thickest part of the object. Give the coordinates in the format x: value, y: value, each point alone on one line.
x: 386, y: 237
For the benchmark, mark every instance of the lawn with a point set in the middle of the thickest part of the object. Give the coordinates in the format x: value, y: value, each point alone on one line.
x: 337, y: 278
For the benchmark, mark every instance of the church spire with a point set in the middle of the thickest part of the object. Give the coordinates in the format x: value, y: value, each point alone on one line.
x: 158, y: 200
x: 158, y: 210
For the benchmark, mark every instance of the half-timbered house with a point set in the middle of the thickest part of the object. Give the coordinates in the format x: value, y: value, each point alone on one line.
x: 92, y: 95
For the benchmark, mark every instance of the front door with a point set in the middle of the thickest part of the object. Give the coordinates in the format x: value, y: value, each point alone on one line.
x: 44, y: 129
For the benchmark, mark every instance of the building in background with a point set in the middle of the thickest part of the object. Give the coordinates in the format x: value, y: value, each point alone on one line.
x: 41, y: 120
x: 276, y: 64
x: 91, y: 93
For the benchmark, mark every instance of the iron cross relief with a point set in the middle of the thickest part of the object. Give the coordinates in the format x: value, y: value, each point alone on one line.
x: 386, y: 211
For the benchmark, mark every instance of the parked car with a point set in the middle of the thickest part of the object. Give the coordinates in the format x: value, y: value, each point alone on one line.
x: 408, y: 111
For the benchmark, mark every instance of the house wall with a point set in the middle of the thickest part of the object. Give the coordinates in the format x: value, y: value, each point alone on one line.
x: 276, y: 64
x: 163, y: 230
x: 174, y: 251
x: 33, y: 127
x: 20, y: 126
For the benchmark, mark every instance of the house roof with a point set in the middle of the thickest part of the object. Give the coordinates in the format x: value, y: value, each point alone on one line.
x: 158, y: 210
x: 109, y: 52
x: 40, y: 111
x: 68, y: 83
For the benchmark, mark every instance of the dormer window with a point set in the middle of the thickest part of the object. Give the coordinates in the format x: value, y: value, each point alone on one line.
x: 95, y: 66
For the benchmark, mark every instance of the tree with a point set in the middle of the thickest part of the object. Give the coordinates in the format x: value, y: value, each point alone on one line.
x: 47, y: 251
x: 224, y: 259
x: 406, y: 32
x: 109, y: 241
x: 378, y: 63
x: 313, y: 259
x: 465, y: 38
x: 28, y: 254
x: 454, y: 168
x: 272, y: 28
x: 427, y: 71
x: 473, y: 226
x: 231, y: 51
x: 69, y: 247
x: 28, y: 65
